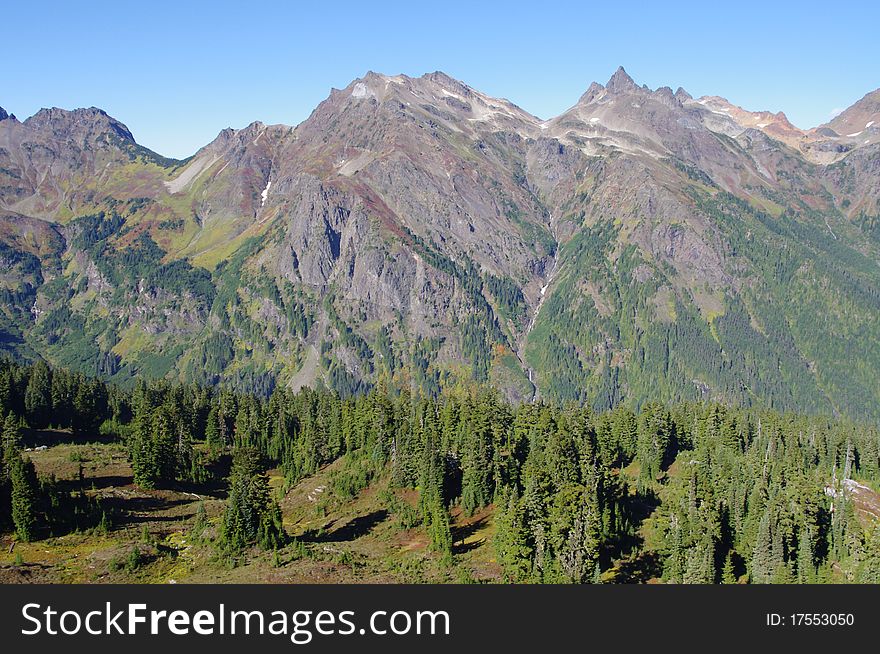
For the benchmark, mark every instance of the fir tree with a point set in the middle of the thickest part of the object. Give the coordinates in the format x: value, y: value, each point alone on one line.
x: 12, y: 433
x: 38, y: 397
x: 24, y: 495
x: 251, y: 516
x: 728, y: 575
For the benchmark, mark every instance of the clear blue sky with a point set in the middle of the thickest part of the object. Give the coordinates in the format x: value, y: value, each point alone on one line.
x: 178, y: 72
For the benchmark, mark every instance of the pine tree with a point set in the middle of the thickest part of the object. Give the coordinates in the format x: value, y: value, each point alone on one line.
x: 89, y: 407
x: 728, y: 576
x: 675, y: 563
x: 62, y: 399
x: 12, y: 433
x: 38, y: 397
x: 700, y: 564
x: 165, y: 444
x: 477, y: 488
x: 654, y: 441
x: 575, y: 532
x: 24, y: 494
x: 145, y: 460
x: 212, y: 429
x: 511, y: 537
x: 806, y: 568
x: 762, y: 559
x: 869, y: 568
x: 7, y: 392
x: 251, y: 515
x: 439, y: 531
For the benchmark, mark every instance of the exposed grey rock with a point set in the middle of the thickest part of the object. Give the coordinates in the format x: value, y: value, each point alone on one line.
x: 397, y: 199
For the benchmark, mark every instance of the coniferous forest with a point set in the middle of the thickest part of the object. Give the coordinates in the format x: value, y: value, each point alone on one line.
x: 687, y: 493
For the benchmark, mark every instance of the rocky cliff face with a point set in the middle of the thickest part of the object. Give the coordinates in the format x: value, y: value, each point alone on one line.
x: 641, y: 245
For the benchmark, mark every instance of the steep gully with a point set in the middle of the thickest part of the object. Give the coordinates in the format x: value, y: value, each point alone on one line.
x: 554, y: 267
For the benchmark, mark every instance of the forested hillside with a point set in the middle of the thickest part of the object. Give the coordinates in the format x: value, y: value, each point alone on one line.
x: 686, y: 493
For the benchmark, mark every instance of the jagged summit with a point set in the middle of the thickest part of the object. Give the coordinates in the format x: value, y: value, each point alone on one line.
x: 78, y: 123
x: 621, y: 82
x: 436, y: 98
x: 593, y: 91
x: 444, y: 80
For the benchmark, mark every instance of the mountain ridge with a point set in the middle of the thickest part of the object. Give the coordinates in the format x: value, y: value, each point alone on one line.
x: 620, y: 81
x: 641, y: 245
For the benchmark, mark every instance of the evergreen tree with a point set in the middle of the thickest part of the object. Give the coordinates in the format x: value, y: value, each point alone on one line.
x: 806, y: 569
x: 12, y: 433
x: 145, y: 460
x: 38, y: 397
x: 728, y: 575
x: 251, y: 516
x: 24, y: 495
x: 89, y: 408
x: 512, y: 538
x: 869, y: 568
x: 655, y: 437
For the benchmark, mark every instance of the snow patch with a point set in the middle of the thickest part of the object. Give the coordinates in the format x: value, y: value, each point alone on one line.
x: 854, y: 135
x: 867, y: 125
x: 761, y: 125
x: 265, y: 193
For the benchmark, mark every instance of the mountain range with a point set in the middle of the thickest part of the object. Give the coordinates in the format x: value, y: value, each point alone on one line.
x: 643, y: 245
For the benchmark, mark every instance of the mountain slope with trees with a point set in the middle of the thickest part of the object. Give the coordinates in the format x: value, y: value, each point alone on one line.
x: 688, y: 493
x: 641, y: 246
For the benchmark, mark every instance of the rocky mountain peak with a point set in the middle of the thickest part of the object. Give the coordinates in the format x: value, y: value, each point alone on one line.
x: 682, y: 95
x: 78, y: 124
x: 3, y: 114
x: 621, y: 82
x: 665, y: 95
x: 594, y: 91
x: 449, y: 83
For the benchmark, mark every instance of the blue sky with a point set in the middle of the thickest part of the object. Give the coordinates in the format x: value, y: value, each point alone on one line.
x: 178, y: 72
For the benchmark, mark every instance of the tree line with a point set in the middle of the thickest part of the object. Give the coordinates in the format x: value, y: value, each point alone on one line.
x: 690, y: 493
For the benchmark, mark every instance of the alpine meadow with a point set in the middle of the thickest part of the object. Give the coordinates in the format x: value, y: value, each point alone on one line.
x: 426, y: 336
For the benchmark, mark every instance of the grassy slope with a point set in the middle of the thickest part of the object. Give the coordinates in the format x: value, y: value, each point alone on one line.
x: 351, y: 541
x: 337, y: 540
